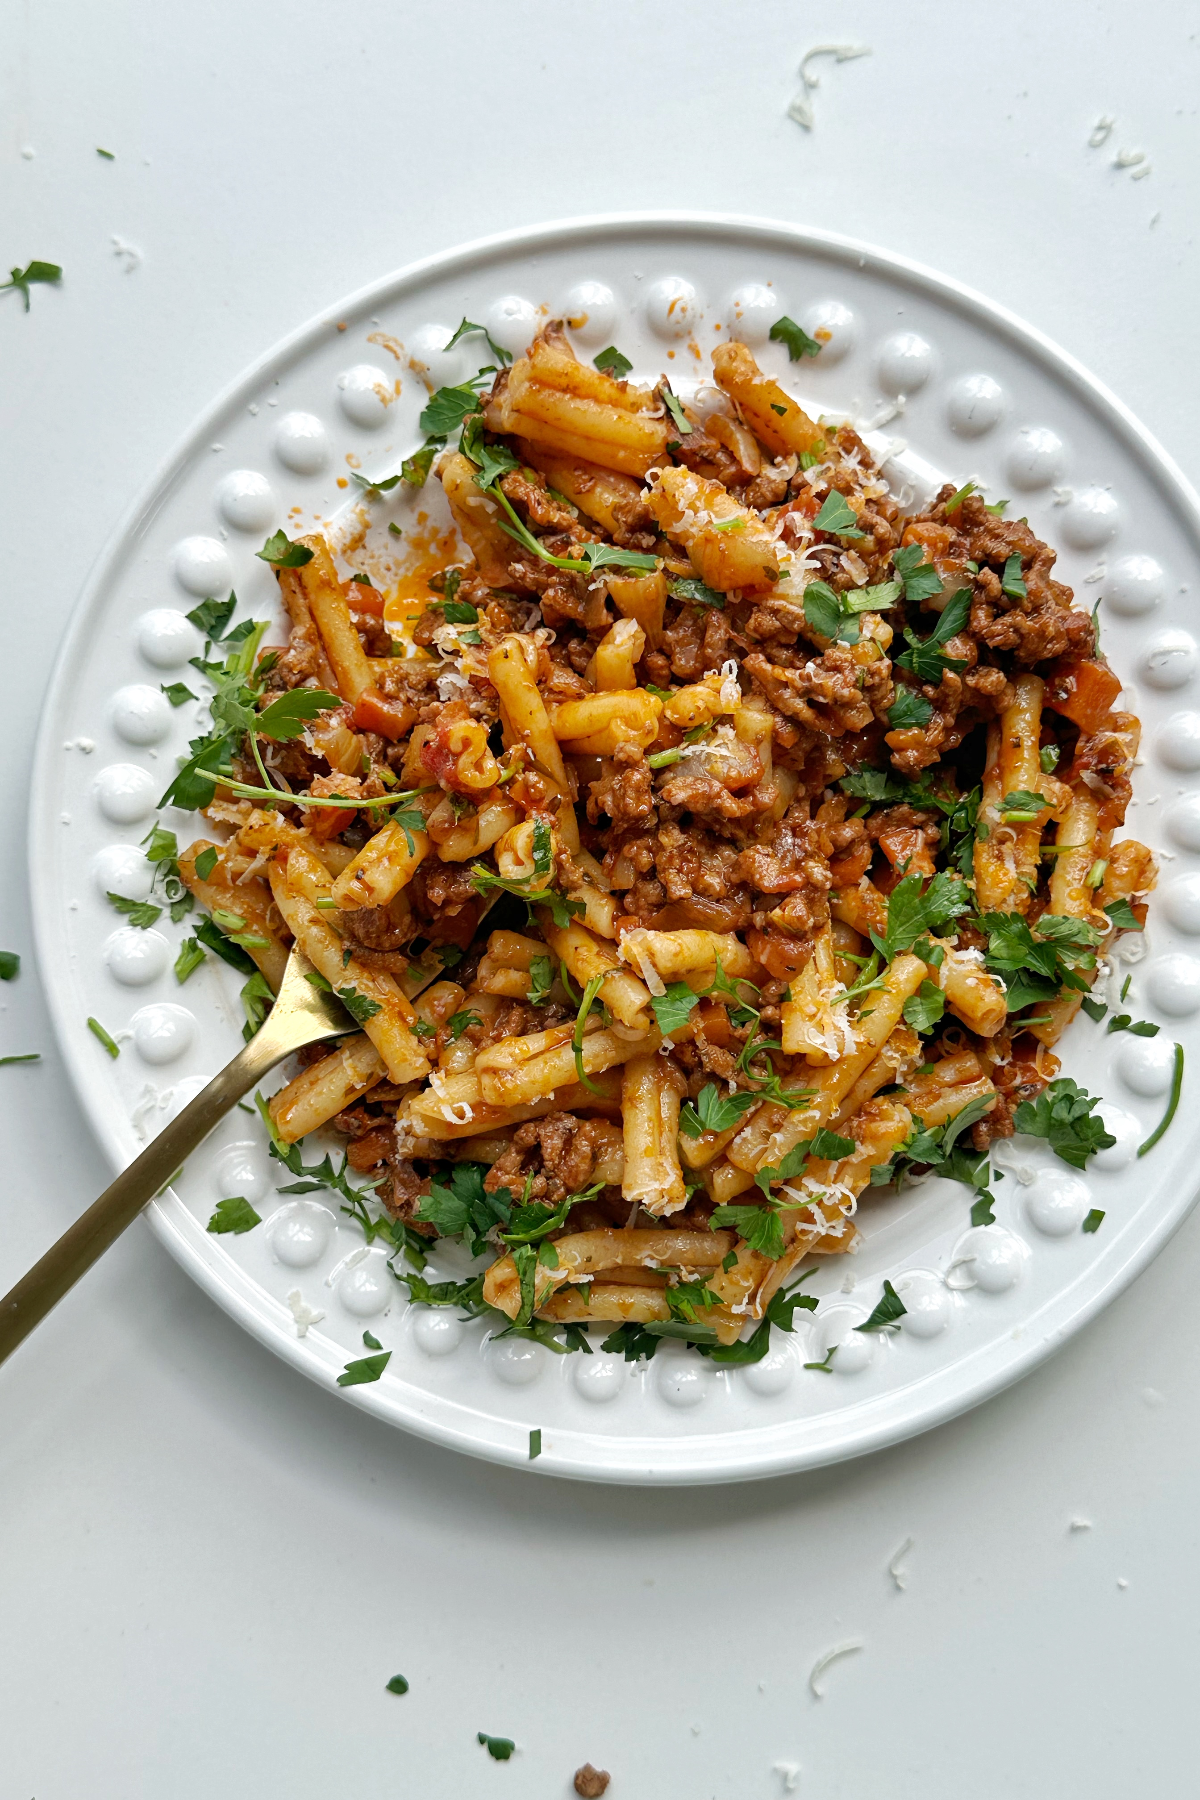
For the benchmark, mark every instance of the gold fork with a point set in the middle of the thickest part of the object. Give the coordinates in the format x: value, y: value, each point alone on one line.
x: 302, y: 1014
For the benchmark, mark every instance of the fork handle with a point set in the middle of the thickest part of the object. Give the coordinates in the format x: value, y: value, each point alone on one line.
x: 84, y: 1242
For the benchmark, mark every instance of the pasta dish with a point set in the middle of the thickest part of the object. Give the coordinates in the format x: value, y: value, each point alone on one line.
x: 698, y: 838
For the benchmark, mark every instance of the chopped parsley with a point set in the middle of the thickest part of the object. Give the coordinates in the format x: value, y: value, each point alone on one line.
x: 758, y: 1226
x: 177, y: 692
x: 956, y: 500
x: 29, y: 1056
x: 909, y: 711
x: 110, y: 1044
x: 713, y: 1111
x: 925, y: 657
x: 696, y: 593
x: 923, y: 1009
x: 364, y: 1369
x: 535, y: 1444
x: 794, y: 338
x: 359, y: 1006
x: 1135, y: 1027
x: 446, y: 411
x: 1048, y: 757
x: 141, y: 913
x: 282, y: 553
x: 674, y: 1008
x: 415, y: 469
x: 1011, y: 582
x: 10, y: 965
x: 464, y: 1208
x: 780, y: 1311
x: 1063, y: 1115
x: 1093, y: 1221
x: 23, y: 279
x: 835, y: 616
x: 889, y: 1311
x: 838, y: 516
x: 459, y: 1023
x: 397, y: 1685
x: 498, y: 1748
x: 914, y: 914
x: 611, y: 362
x: 671, y: 401
x: 921, y: 580
x: 1036, y: 968
x: 541, y: 979
x: 207, y: 861
x: 1123, y: 916
x: 501, y: 355
x: 235, y: 1215
x: 191, y: 955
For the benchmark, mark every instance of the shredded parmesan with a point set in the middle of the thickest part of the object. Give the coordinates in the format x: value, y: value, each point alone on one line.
x: 825, y: 1659
x: 304, y: 1314
x: 632, y: 949
x: 898, y: 1574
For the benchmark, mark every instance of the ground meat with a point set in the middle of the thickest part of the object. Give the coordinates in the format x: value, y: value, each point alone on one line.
x: 793, y: 858
x: 626, y: 797
x: 694, y: 862
x: 697, y: 641
x: 591, y: 1783
x: 830, y: 693
x: 706, y: 798
x: 558, y: 1150
x: 402, y: 1195
x: 527, y: 490
x: 377, y: 927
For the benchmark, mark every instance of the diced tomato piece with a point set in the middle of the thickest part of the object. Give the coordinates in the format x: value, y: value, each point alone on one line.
x: 388, y: 718
x: 362, y: 599
x: 1083, y: 690
x: 714, y: 1021
x: 935, y: 539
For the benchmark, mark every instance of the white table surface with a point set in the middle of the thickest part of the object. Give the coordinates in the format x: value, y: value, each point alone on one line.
x: 210, y: 1568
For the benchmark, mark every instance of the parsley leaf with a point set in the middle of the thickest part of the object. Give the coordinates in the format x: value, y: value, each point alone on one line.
x: 1011, y: 582
x: 541, y: 979
x: 177, y: 693
x: 23, y: 279
x: 213, y: 938
x: 236, y: 1215
x: 1063, y: 1116
x: 1036, y: 968
x: 10, y: 965
x: 447, y: 409
x: 1135, y: 1028
x: 795, y: 339
x: 1123, y: 916
x: 212, y: 616
x: 921, y: 580
x: 190, y: 957
x: 611, y: 362
x: 206, y: 862
x: 924, y: 657
x: 359, y: 1006
x: 674, y: 1008
x: 713, y: 1111
x: 671, y: 401
x: 281, y: 553
x: 498, y: 1748
x: 464, y: 1208
x: 287, y: 717
x: 759, y: 1226
x: 370, y: 487
x: 364, y: 1369
x: 889, y: 1310
x: 684, y: 1297
x: 923, y: 1009
x: 909, y: 711
x: 415, y: 468
x: 632, y: 1341
x: 914, y: 914
x: 501, y: 355
x: 696, y: 593
x: 459, y: 1022
x: 397, y: 1685
x: 1093, y: 1221
x: 139, y: 912
x: 838, y: 516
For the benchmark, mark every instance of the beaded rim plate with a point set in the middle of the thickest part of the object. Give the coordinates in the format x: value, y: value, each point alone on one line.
x: 977, y: 395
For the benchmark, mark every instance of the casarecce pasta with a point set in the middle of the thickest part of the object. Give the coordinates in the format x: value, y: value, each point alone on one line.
x: 709, y: 842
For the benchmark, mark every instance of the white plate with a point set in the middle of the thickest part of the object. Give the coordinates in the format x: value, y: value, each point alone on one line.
x: 987, y: 398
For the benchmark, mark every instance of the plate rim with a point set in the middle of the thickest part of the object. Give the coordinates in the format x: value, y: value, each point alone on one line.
x: 737, y: 1464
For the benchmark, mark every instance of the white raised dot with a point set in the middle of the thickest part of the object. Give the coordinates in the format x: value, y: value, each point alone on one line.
x: 162, y: 1032
x: 599, y: 1379
x: 122, y: 869
x: 140, y: 714
x: 364, y: 394
x: 517, y: 1363
x: 135, y: 957
x: 1174, y: 985
x: 1180, y: 904
x: 928, y: 1303
x: 838, y: 1329
x: 774, y: 1374
x: 975, y: 405
x: 202, y: 567
x: 1183, y: 822
x: 436, y: 1331
x: 987, y: 1257
x: 125, y: 794
x: 1057, y: 1202
x: 1128, y: 1132
x: 300, y: 1233
x: 1090, y: 519
x: 1035, y: 459
x: 681, y: 1383
x: 176, y: 1098
x: 1178, y: 742
x: 590, y: 309
x: 241, y: 1170
x: 1146, y: 1065
x: 512, y: 322
x: 430, y: 357
x: 1169, y: 660
x: 1134, y: 585
x: 671, y: 307
x: 302, y: 443
x: 905, y: 363
x: 753, y: 309
x: 246, y: 500
x: 367, y: 1288
x: 835, y: 328
x: 166, y: 638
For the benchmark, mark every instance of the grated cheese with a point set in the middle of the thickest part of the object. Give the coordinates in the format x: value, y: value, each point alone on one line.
x: 825, y: 1659
x: 899, y: 1575
x: 304, y: 1314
